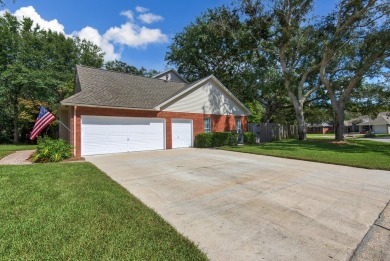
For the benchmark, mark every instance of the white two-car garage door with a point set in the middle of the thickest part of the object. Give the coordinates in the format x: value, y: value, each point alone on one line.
x: 181, y: 133
x: 102, y: 135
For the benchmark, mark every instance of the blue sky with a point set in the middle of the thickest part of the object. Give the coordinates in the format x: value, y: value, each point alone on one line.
x: 136, y: 32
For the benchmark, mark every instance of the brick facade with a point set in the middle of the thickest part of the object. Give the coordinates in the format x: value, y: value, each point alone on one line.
x: 220, y: 123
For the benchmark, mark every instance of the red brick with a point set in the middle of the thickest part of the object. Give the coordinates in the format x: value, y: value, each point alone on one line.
x: 220, y: 123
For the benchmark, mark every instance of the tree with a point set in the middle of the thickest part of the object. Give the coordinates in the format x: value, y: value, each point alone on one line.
x: 213, y: 45
x: 120, y: 66
x: 369, y: 99
x: 356, y: 46
x: 264, y: 55
x: 88, y: 53
x: 283, y: 34
x: 36, y: 66
x: 204, y: 48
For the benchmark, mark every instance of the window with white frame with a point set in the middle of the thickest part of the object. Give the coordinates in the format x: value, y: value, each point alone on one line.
x: 207, y: 125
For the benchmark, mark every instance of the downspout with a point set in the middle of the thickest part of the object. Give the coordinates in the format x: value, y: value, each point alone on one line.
x: 74, y: 130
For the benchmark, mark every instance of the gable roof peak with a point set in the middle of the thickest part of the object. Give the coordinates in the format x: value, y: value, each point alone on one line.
x: 168, y: 72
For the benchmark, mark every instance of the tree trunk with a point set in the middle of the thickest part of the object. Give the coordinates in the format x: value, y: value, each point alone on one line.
x: 301, y: 124
x: 15, y: 123
x: 298, y: 107
x: 339, y: 124
x: 267, y: 115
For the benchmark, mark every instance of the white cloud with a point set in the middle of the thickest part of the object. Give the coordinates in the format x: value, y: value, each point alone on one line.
x: 128, y: 34
x: 128, y: 14
x: 30, y: 12
x: 134, y: 36
x: 91, y: 34
x: 150, y: 18
x: 141, y: 9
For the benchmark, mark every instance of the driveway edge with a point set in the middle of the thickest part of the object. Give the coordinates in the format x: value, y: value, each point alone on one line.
x: 375, y: 243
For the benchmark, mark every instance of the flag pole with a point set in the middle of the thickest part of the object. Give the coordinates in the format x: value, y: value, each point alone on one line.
x: 63, y: 124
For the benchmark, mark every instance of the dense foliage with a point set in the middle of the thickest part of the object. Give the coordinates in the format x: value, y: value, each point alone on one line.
x: 249, y: 138
x: 52, y: 150
x: 120, y: 66
x: 36, y: 67
x: 216, y: 139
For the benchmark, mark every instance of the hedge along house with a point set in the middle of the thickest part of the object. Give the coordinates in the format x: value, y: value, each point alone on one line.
x: 113, y: 112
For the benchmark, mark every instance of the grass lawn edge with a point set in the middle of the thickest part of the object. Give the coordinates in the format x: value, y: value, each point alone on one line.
x: 322, y: 160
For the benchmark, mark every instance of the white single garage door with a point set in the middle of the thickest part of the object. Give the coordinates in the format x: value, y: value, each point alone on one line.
x: 181, y: 133
x: 380, y: 129
x: 102, y: 135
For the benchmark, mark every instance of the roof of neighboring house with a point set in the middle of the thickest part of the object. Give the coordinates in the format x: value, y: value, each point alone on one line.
x: 383, y: 118
x: 103, y: 88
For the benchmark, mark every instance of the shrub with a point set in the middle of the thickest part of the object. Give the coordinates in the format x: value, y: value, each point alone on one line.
x: 220, y: 138
x: 233, y: 140
x: 215, y: 139
x: 369, y: 134
x: 249, y: 138
x: 52, y: 150
x: 203, y: 140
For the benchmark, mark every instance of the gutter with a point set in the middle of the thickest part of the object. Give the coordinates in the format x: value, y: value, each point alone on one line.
x: 106, y: 107
x: 74, y: 130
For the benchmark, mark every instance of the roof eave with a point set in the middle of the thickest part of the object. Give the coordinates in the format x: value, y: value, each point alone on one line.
x: 106, y: 107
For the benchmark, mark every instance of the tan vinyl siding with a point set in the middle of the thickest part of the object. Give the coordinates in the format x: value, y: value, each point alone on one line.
x: 207, y: 99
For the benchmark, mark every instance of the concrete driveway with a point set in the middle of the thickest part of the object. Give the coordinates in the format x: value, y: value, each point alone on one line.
x: 381, y: 139
x: 247, y: 207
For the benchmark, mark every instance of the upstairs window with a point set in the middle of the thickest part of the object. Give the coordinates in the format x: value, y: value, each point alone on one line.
x: 207, y: 125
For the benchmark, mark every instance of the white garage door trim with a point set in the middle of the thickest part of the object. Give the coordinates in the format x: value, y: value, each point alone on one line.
x: 182, y: 133
x: 121, y: 134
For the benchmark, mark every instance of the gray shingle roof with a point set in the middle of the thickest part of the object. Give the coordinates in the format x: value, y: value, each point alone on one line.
x: 383, y: 118
x: 114, y: 89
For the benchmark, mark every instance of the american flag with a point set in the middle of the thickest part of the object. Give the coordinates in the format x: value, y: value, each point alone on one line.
x: 44, y: 118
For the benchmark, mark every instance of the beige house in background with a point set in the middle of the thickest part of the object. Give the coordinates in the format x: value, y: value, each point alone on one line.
x: 362, y: 124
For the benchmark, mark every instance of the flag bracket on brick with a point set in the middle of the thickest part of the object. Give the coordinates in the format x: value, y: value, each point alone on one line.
x: 43, y: 120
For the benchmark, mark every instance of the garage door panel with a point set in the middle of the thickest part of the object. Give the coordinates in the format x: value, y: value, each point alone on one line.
x: 181, y: 133
x: 116, y: 138
x: 116, y: 147
x: 137, y: 137
x: 102, y: 135
x: 95, y: 138
x: 95, y: 128
x: 116, y: 129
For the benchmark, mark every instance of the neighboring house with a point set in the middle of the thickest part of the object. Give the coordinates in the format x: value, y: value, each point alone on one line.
x: 319, y: 128
x: 362, y: 124
x: 114, y: 112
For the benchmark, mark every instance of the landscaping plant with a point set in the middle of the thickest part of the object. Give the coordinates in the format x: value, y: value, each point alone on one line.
x: 52, y: 150
x: 369, y: 134
x: 249, y: 138
x: 216, y: 139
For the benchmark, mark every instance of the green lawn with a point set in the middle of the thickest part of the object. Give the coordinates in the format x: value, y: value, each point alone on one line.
x: 73, y: 211
x: 356, y: 153
x: 8, y: 149
x: 382, y: 135
x: 320, y: 136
